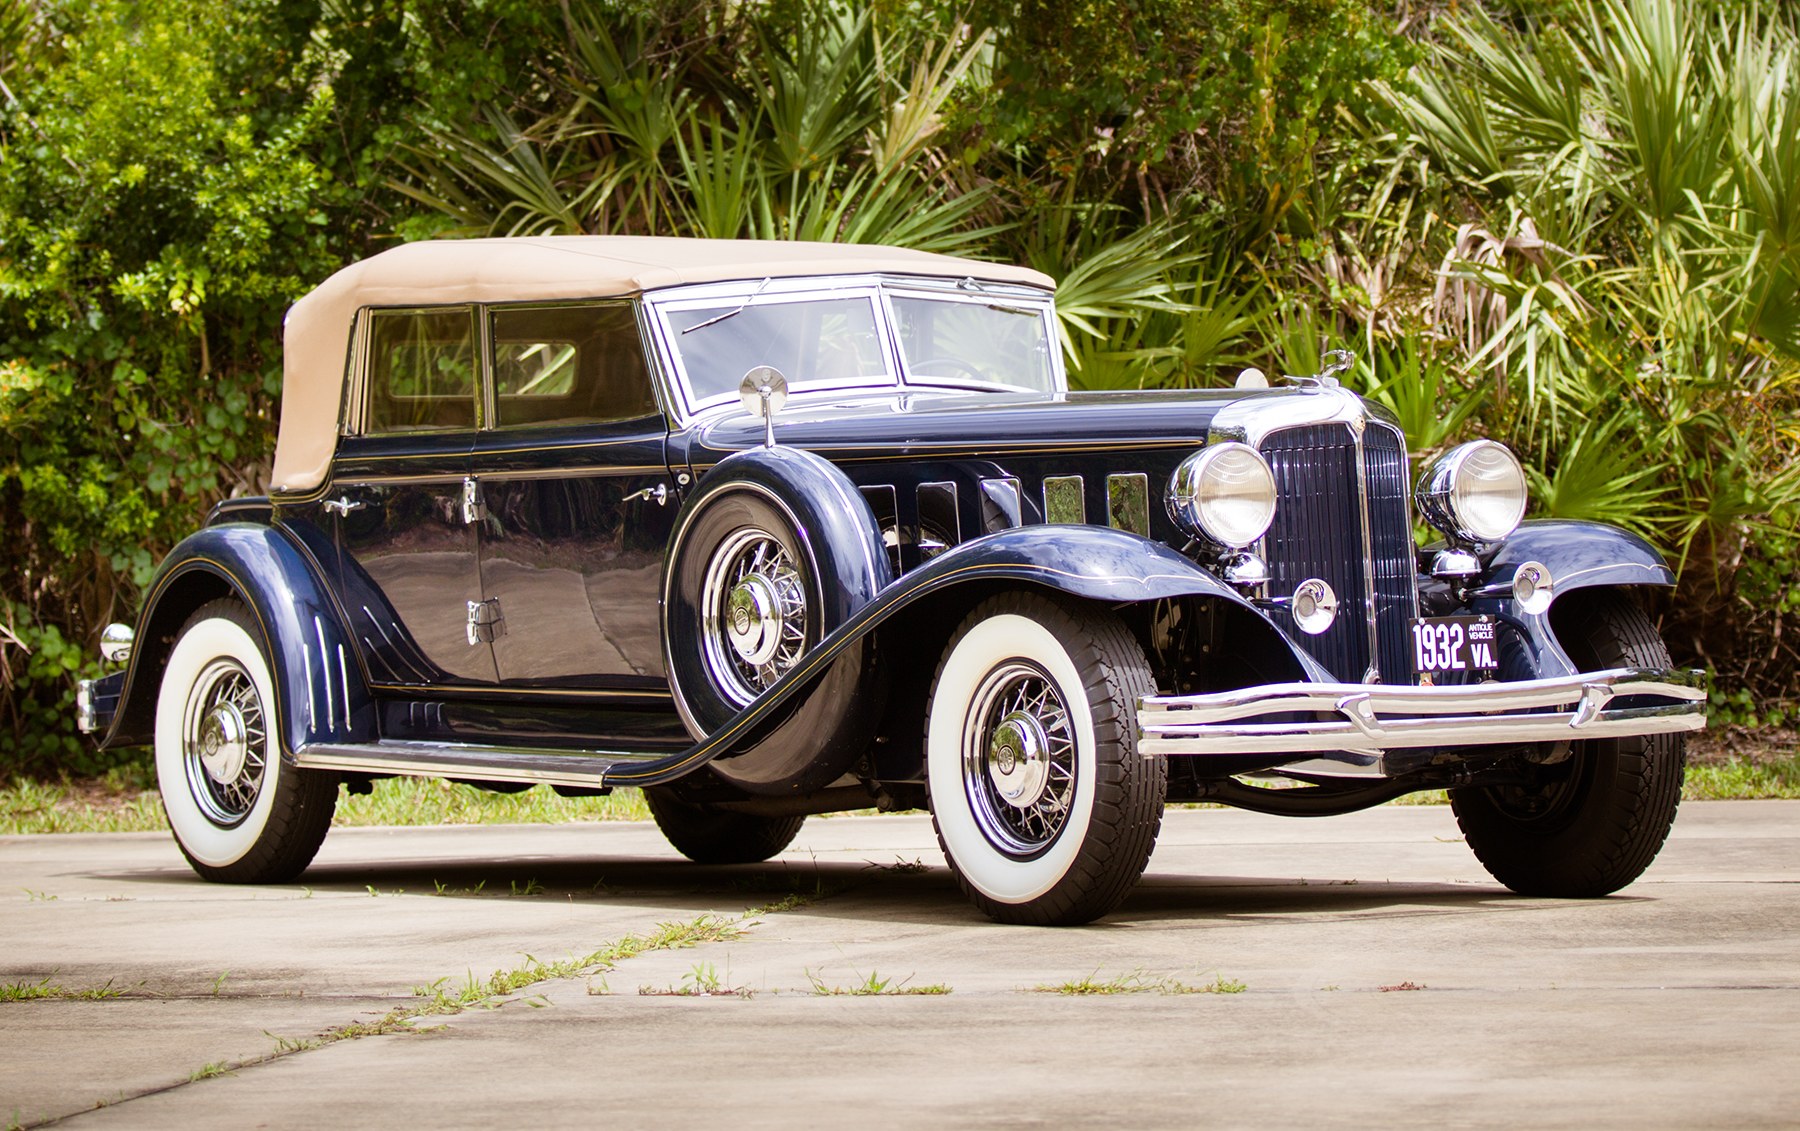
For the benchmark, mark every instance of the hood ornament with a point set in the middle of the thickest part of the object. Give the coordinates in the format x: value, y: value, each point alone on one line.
x: 1332, y: 363
x: 762, y: 392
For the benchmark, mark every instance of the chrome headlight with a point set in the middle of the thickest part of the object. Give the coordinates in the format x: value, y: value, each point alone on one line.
x: 1474, y: 492
x: 1224, y: 493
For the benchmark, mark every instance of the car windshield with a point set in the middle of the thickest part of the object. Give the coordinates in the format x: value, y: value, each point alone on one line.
x: 979, y: 341
x: 813, y: 342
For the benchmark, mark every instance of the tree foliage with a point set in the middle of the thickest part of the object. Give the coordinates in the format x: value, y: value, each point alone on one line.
x: 1569, y: 224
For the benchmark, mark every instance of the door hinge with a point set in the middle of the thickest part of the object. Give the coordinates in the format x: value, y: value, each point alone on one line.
x: 486, y: 622
x: 474, y: 507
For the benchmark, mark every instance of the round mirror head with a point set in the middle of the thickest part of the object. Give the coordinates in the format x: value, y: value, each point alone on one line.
x: 763, y: 385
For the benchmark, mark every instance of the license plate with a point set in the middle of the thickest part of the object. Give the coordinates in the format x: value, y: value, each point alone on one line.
x: 1454, y: 644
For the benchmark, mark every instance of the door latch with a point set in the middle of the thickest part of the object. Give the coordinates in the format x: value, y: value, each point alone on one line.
x: 474, y: 507
x: 486, y: 624
x: 342, y: 507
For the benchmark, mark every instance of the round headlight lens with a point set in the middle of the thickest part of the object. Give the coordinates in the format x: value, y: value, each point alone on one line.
x: 1474, y: 493
x: 1224, y: 493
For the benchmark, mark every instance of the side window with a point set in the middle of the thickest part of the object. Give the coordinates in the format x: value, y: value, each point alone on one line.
x: 569, y: 365
x: 422, y: 372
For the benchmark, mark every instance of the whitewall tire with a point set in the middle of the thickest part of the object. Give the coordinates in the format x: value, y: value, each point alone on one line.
x: 1041, y: 803
x: 238, y: 813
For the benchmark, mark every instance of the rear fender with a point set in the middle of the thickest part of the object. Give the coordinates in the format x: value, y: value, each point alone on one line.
x: 320, y: 692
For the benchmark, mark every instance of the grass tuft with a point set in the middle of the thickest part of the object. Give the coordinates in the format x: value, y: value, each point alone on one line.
x: 1139, y: 982
x: 123, y: 805
x: 1741, y: 779
x: 426, y: 801
x: 875, y: 986
x: 44, y: 990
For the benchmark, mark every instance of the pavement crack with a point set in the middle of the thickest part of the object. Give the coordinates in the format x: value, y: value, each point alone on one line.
x: 437, y: 1000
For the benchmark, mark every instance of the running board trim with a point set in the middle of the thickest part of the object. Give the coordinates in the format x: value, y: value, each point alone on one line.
x: 480, y: 763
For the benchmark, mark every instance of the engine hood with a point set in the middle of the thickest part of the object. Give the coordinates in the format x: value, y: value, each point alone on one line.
x: 927, y: 422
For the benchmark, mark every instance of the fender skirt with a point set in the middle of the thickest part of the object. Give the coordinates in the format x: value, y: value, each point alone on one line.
x: 320, y: 692
x: 1093, y: 562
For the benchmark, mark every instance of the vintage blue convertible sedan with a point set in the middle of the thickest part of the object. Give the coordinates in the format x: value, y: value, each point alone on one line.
x: 775, y: 529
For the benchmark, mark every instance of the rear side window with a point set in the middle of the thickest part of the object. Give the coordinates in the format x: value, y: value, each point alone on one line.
x: 422, y: 370
x: 569, y: 365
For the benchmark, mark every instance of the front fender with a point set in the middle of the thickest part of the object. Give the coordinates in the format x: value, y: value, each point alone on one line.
x: 1092, y: 562
x: 1579, y: 555
x: 319, y: 688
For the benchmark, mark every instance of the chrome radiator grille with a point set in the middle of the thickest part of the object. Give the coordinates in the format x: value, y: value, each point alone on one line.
x: 1319, y: 531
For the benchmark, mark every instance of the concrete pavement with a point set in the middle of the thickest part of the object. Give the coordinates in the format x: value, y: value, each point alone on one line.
x: 1670, y: 1004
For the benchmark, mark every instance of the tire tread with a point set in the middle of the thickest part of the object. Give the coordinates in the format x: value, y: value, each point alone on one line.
x: 1630, y: 800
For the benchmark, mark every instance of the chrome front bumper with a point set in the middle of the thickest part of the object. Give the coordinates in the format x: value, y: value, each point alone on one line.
x: 1367, y: 719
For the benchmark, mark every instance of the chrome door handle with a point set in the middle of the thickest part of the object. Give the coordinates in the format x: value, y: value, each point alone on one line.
x: 343, y: 506
x: 658, y: 494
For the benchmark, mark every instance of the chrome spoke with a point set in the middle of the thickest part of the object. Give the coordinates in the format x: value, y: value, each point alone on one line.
x: 225, y: 742
x: 1019, y: 758
x: 754, y: 615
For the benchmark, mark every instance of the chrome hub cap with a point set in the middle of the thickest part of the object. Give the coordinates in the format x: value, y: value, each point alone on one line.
x: 225, y: 742
x: 753, y: 611
x: 754, y: 621
x: 1019, y: 759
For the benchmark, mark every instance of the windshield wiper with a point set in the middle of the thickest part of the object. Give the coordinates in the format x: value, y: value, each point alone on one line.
x: 728, y: 313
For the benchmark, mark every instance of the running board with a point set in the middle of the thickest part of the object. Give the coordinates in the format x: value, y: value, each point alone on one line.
x: 532, y: 766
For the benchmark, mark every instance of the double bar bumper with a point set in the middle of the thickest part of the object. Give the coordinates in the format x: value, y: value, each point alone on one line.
x: 1369, y: 718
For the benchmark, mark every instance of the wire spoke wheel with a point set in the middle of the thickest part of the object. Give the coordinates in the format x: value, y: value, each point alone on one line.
x: 225, y: 742
x: 239, y: 814
x: 1019, y: 761
x: 754, y: 614
x: 1043, y: 806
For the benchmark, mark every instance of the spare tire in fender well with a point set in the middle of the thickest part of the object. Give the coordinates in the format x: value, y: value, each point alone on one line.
x: 780, y: 539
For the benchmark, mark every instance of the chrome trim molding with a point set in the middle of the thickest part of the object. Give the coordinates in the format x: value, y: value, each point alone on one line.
x: 1370, y: 718
x: 479, y: 763
x: 1358, y: 426
x: 1251, y: 420
x: 312, y: 710
x: 324, y: 674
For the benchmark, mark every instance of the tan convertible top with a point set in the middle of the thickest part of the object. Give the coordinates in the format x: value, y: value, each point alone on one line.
x: 316, y: 338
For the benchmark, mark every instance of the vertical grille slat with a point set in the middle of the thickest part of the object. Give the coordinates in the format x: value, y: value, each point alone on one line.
x: 1318, y: 532
x: 1390, y: 529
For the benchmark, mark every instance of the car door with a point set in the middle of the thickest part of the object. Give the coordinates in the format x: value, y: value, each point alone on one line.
x: 578, y: 503
x: 401, y: 495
